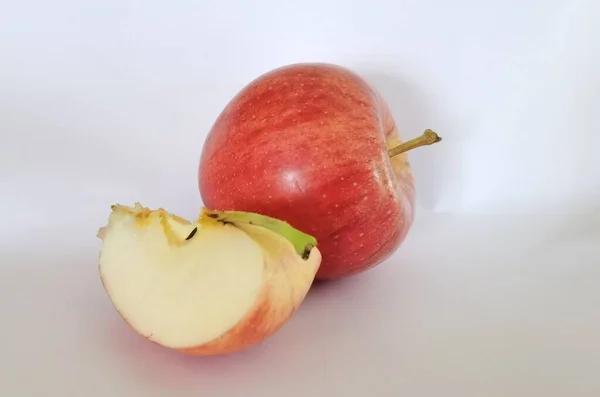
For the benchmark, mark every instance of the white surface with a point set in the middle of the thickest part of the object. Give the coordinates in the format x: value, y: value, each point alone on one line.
x: 494, y: 293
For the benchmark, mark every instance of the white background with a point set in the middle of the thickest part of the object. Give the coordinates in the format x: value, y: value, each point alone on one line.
x: 494, y: 293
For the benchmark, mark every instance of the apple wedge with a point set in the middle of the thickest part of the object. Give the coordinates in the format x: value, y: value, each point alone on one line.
x: 214, y: 286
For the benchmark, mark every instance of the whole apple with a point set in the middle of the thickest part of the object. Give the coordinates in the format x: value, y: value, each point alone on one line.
x: 313, y: 144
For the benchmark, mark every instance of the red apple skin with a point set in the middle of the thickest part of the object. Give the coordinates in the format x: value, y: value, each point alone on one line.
x: 307, y: 143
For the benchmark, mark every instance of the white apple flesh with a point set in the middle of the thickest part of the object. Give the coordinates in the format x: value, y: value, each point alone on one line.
x: 215, y: 286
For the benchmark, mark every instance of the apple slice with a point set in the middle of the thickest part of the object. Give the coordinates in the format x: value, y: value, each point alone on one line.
x: 215, y: 286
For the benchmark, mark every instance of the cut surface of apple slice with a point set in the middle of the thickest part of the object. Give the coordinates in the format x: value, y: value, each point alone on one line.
x: 217, y: 285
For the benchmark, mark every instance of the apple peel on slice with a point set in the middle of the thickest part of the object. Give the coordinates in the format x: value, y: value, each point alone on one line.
x: 214, y: 286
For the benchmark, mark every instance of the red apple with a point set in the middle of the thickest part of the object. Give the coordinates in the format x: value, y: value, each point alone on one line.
x: 309, y: 144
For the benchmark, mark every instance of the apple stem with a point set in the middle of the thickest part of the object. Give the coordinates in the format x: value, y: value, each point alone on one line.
x: 428, y: 138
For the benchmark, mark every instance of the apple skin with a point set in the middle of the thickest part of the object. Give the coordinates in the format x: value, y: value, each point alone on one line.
x: 307, y: 143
